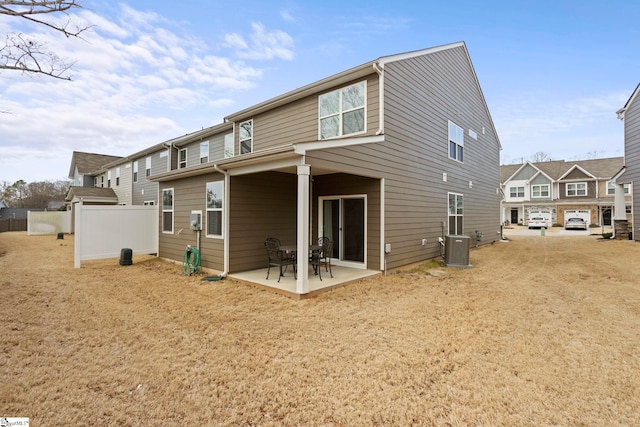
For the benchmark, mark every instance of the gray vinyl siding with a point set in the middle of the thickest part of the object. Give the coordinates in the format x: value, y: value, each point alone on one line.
x: 525, y: 173
x: 632, y: 159
x: 124, y: 189
x: 298, y: 121
x: 421, y: 95
x: 145, y: 190
x: 344, y: 185
x: 591, y: 191
x: 262, y: 205
x: 190, y: 194
x: 541, y: 180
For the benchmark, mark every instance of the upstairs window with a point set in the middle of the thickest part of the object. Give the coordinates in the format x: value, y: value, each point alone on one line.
x: 167, y: 210
x: 577, y: 189
x: 108, y: 179
x: 117, y: 177
x: 540, y: 190
x: 148, y: 167
x: 204, y: 152
x: 342, y: 112
x: 456, y: 142
x: 102, y: 181
x: 215, y: 197
x: 228, y: 146
x: 516, y: 192
x: 611, y: 188
x: 246, y: 137
x: 135, y: 171
x: 456, y: 213
x: 182, y: 158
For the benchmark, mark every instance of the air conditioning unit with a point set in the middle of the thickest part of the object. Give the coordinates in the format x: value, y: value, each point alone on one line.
x: 456, y: 251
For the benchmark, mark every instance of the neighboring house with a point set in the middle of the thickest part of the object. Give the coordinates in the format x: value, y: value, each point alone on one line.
x: 92, y: 196
x: 84, y: 165
x: 630, y: 174
x: 558, y: 189
x: 378, y: 158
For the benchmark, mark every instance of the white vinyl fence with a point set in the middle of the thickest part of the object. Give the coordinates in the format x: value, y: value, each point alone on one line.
x: 53, y: 222
x: 103, y: 231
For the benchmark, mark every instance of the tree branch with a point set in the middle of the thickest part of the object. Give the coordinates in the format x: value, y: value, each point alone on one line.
x: 29, y: 55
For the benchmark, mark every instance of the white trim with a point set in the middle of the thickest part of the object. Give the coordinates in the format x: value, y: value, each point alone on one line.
x: 341, y: 111
x: 240, y: 140
x: 382, y: 229
x: 303, y: 147
x: 541, y: 185
x: 339, y: 261
x: 173, y: 210
x: 586, y: 189
x: 221, y: 210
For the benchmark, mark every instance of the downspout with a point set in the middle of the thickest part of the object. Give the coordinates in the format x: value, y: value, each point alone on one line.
x: 380, y: 70
x: 225, y: 224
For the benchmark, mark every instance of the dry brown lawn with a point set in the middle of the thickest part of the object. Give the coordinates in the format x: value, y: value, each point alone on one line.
x: 542, y: 331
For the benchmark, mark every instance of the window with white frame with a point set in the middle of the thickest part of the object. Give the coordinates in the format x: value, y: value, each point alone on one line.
x: 182, y: 158
x: 135, y: 171
x: 148, y: 167
x: 516, y: 191
x: 167, y: 210
x: 102, y: 181
x: 577, y: 189
x: 342, y: 112
x: 246, y: 137
x: 541, y: 190
x: 215, y: 205
x: 228, y: 146
x: 456, y: 142
x: 611, y: 188
x: 456, y: 213
x: 117, y: 177
x: 149, y: 203
x: 204, y: 152
x: 109, y: 179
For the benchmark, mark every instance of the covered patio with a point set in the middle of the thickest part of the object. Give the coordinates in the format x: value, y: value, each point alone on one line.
x: 287, y: 285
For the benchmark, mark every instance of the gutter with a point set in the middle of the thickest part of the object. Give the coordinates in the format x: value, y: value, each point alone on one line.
x: 225, y: 221
x: 380, y: 70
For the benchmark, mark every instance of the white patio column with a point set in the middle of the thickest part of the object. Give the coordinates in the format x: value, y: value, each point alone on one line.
x: 302, y: 229
x: 619, y: 203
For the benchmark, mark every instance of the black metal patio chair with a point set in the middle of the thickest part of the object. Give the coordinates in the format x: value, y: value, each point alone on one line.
x: 326, y: 253
x: 279, y: 258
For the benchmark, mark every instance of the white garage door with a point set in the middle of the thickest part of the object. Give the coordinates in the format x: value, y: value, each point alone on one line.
x: 584, y: 214
x: 546, y: 214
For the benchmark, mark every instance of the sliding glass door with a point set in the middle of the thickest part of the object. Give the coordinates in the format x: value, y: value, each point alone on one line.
x: 343, y: 219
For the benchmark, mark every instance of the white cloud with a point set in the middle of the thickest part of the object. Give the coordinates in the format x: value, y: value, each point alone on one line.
x: 264, y: 45
x: 138, y: 81
x: 566, y: 130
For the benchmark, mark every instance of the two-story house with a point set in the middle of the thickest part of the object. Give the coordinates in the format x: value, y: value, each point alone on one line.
x: 383, y: 158
x: 557, y: 190
x: 630, y: 174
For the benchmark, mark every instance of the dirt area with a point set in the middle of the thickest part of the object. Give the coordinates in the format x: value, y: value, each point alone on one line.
x: 541, y: 331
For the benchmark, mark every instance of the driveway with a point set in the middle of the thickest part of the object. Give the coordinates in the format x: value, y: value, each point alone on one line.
x: 553, y: 231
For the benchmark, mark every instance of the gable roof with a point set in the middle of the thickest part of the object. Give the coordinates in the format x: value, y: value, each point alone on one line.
x: 89, y: 162
x: 92, y: 194
x: 621, y: 112
x: 3, y: 204
x: 375, y: 66
x: 557, y: 169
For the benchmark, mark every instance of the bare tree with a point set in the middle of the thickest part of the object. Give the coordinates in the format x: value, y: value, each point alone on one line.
x: 541, y: 157
x: 29, y: 55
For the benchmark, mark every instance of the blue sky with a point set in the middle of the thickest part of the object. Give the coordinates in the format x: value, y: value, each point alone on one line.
x: 553, y: 72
